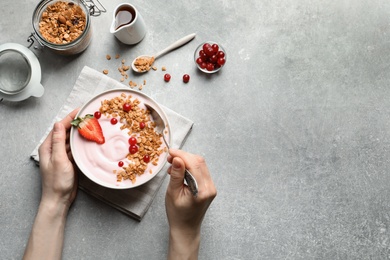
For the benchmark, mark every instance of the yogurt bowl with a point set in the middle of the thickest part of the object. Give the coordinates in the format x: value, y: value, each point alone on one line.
x: 116, y: 164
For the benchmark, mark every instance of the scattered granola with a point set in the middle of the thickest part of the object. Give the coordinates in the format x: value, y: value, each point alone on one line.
x: 62, y: 22
x: 108, y: 57
x: 144, y: 63
x: 105, y: 72
x: 163, y: 68
x: 123, y: 68
x: 138, y: 123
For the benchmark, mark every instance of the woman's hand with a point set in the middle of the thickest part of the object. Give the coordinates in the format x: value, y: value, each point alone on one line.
x: 186, y: 212
x: 59, y: 182
x: 59, y: 188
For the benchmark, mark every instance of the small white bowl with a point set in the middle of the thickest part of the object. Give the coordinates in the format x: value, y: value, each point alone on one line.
x: 203, y: 68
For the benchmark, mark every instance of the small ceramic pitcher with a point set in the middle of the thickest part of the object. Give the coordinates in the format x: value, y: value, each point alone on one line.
x: 128, y: 26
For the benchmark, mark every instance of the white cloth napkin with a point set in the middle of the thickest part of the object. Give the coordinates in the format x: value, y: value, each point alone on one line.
x: 136, y: 201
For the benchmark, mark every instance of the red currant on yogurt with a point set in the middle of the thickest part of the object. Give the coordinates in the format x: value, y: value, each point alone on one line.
x: 120, y: 164
x: 132, y: 141
x: 133, y: 149
x: 97, y: 114
x: 114, y: 121
x: 126, y: 107
x: 146, y: 158
x: 167, y: 77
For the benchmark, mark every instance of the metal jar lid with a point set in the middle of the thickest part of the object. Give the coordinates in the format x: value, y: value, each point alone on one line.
x: 20, y: 73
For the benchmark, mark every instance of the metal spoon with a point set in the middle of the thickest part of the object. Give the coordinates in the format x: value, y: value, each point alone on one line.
x: 150, y: 59
x: 160, y: 127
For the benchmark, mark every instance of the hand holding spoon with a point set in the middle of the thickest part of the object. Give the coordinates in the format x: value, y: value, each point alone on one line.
x: 143, y: 63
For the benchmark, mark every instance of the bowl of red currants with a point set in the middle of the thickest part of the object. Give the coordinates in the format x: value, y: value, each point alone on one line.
x: 210, y: 57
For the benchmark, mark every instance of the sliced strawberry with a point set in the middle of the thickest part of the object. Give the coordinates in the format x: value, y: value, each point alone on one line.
x: 89, y: 128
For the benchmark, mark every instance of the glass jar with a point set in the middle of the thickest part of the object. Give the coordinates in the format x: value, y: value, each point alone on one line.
x: 68, y: 48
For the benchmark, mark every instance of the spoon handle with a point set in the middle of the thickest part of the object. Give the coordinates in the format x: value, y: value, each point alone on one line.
x: 191, y: 182
x: 175, y: 45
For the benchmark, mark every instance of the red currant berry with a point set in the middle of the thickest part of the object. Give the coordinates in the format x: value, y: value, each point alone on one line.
x: 206, y: 46
x: 221, y: 61
x: 167, y: 77
x: 133, y: 149
x: 199, y: 60
x: 146, y: 158
x: 203, y: 65
x: 132, y: 140
x: 213, y: 59
x: 210, y: 67
x: 202, y: 54
x: 120, y: 164
x: 186, y: 78
x: 114, y: 121
x: 215, y: 47
x: 209, y: 51
x: 97, y: 114
x: 126, y: 107
x: 221, y: 54
x: 142, y: 125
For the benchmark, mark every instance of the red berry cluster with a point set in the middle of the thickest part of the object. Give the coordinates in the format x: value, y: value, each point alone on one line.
x: 134, y: 148
x: 211, y: 57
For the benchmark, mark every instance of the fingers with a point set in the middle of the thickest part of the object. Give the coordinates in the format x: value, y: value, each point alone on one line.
x: 46, y: 149
x: 60, y: 135
x: 194, y: 163
x: 58, y: 139
x: 197, y: 166
x: 177, y: 175
x: 69, y: 118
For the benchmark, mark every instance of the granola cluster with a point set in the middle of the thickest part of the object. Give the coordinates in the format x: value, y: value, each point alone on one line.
x: 62, y: 22
x: 144, y: 63
x: 148, y: 140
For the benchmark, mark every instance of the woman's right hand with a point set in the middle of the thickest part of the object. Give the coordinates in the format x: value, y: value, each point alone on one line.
x: 186, y: 212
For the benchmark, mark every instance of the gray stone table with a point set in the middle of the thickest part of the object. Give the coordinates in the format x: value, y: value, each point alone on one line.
x: 295, y: 129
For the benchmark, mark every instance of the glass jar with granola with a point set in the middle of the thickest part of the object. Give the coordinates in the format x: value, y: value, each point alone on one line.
x: 62, y: 26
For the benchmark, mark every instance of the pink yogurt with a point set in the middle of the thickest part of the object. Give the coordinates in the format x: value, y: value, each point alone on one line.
x: 98, y: 161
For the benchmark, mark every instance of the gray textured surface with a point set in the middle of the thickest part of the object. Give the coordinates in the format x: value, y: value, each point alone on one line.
x: 295, y: 130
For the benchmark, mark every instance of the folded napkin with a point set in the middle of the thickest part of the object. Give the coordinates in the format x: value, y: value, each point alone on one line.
x: 136, y: 201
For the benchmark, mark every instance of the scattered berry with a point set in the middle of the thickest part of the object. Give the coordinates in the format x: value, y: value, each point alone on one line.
x: 167, y: 77
x: 186, y: 78
x: 142, y: 125
x: 120, y: 164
